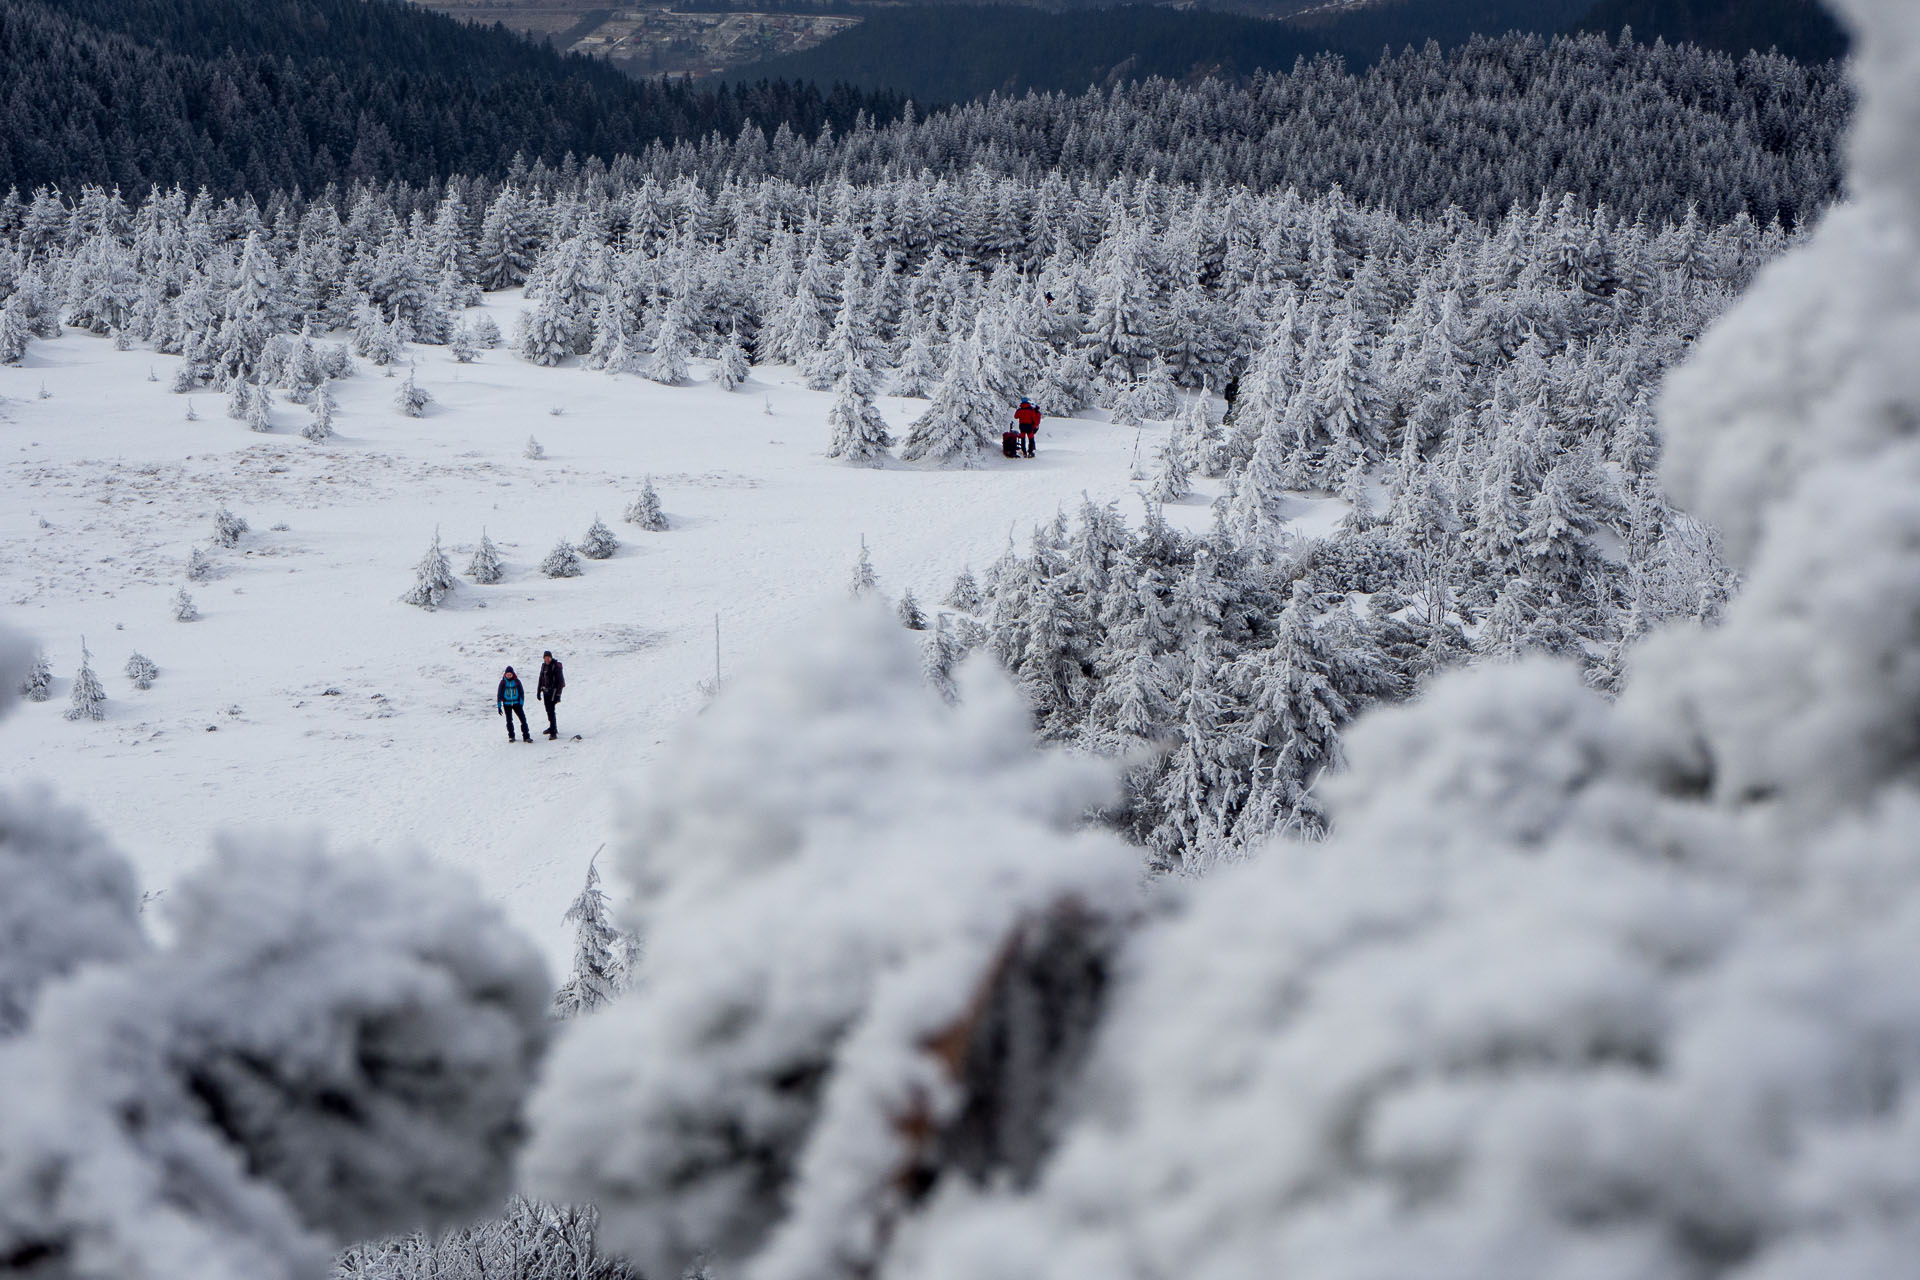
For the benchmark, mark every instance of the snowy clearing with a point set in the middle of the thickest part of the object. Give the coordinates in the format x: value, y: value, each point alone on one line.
x: 307, y: 695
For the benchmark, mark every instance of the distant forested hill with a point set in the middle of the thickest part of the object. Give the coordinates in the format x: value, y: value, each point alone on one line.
x: 951, y: 53
x: 278, y: 94
x: 1362, y: 33
x: 1799, y: 28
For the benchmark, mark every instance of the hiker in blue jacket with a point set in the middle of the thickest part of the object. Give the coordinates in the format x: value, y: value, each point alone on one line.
x: 512, y: 701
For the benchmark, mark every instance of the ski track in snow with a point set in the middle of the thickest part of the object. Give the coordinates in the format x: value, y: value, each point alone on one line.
x: 308, y: 696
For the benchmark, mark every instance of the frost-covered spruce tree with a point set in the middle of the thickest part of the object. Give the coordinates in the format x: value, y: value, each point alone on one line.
x: 864, y: 581
x: 909, y: 612
x: 1157, y: 400
x: 596, y: 973
x: 199, y: 565
x: 184, y: 609
x: 857, y: 431
x: 484, y: 568
x: 645, y: 510
x: 320, y: 415
x: 433, y: 579
x: 964, y: 594
x: 731, y: 369
x: 240, y: 400
x: 561, y: 325
x: 851, y: 351
x: 462, y: 345
x: 599, y: 542
x: 940, y: 654
x: 14, y: 334
x: 411, y: 399
x: 37, y: 684
x: 1066, y: 384
x: 89, y: 698
x: 561, y: 562
x: 260, y: 409
x: 228, y: 527
x: 141, y: 671
x: 962, y: 421
x: 1172, y: 481
x: 373, y: 337
x: 671, y: 342
x: 919, y: 371
x: 534, y: 451
x: 509, y: 237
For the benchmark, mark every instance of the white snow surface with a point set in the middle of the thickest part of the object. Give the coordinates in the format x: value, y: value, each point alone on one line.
x: 307, y: 696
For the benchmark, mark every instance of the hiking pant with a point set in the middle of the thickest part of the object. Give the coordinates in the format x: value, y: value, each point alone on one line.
x: 1026, y: 442
x: 521, y: 711
x: 550, y: 701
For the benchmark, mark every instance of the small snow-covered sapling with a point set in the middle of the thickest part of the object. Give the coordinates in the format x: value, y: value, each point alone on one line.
x: 964, y: 595
x: 864, y: 581
x: 184, y: 610
x: 645, y: 510
x: 38, y: 685
x: 259, y: 410
x: 227, y: 527
x: 411, y: 399
x: 909, y: 612
x: 141, y: 671
x: 484, y: 568
x: 433, y: 578
x: 534, y: 450
x: 561, y: 562
x: 199, y: 565
x: 599, y: 544
x: 320, y: 405
x: 89, y: 698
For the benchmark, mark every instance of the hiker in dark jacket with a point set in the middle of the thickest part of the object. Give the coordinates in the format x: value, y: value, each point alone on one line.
x: 553, y: 678
x: 512, y: 701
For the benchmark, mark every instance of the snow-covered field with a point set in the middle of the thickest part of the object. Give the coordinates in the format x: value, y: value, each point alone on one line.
x: 307, y: 695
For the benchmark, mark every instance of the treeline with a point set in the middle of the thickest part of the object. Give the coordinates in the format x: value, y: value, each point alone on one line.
x: 1645, y: 130
x: 296, y: 94
x: 951, y: 53
x: 1798, y: 28
x: 1365, y: 30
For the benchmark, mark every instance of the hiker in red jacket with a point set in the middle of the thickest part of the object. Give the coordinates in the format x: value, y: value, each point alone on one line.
x: 1028, y: 418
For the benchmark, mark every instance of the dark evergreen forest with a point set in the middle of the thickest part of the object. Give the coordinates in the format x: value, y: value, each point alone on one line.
x: 1797, y: 28
x: 1646, y: 131
x: 286, y: 94
x: 951, y: 53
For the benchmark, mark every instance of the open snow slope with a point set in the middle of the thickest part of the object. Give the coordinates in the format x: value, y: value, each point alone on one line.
x: 307, y: 695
